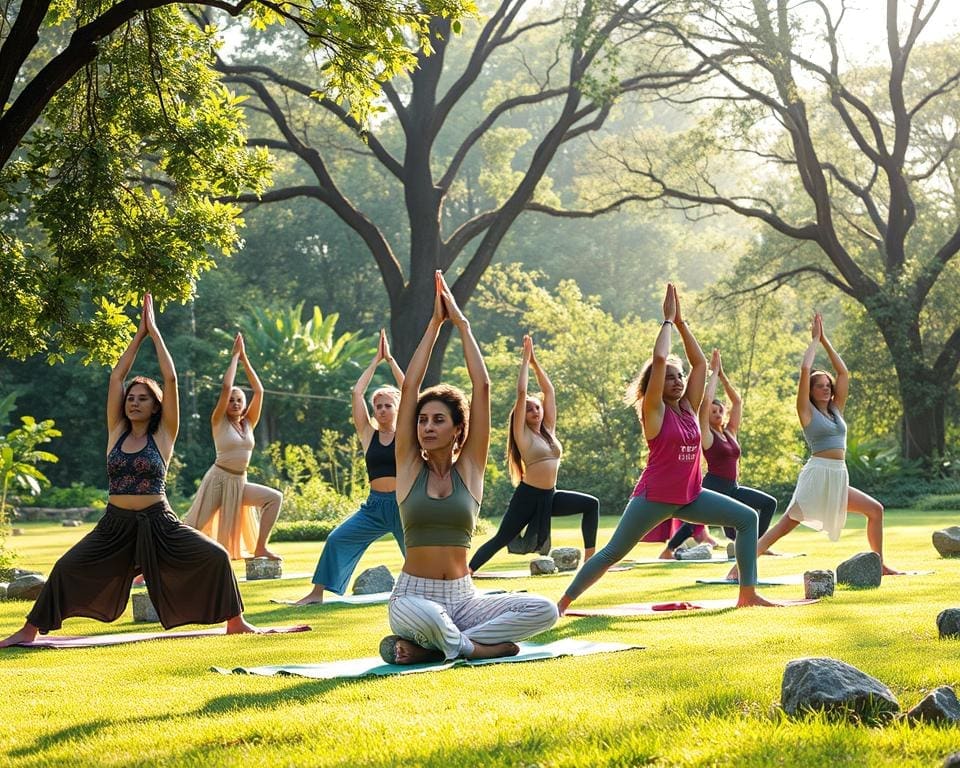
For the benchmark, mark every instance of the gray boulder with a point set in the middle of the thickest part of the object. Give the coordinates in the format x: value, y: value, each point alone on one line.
x: 71, y: 523
x: 947, y: 541
x: 542, y: 565
x: 26, y: 587
x: 939, y: 706
x: 263, y: 568
x: 731, y: 550
x: 836, y: 688
x: 817, y: 584
x: 566, y: 558
x: 143, y: 609
x: 948, y: 622
x: 18, y: 572
x: 952, y: 760
x: 374, y: 580
x: 862, y: 570
x: 699, y: 552
x: 3, y: 590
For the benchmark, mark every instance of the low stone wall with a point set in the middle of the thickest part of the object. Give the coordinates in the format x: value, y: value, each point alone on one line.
x: 53, y: 513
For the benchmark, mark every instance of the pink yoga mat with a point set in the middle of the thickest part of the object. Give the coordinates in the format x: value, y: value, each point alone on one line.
x: 661, y: 609
x: 93, y: 641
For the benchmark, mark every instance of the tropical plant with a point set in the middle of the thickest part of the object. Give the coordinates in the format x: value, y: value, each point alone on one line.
x: 19, y: 457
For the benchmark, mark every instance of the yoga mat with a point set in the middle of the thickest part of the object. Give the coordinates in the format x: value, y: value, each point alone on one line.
x: 524, y: 573
x: 95, y: 641
x: 772, y: 581
x: 374, y: 666
x: 298, y: 575
x: 663, y: 609
x: 718, y: 558
x: 330, y: 599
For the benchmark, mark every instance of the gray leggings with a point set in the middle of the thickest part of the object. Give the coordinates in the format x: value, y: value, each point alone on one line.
x: 640, y: 515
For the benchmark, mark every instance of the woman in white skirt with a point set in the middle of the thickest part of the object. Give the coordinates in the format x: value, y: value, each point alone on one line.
x: 823, y: 495
x: 238, y: 514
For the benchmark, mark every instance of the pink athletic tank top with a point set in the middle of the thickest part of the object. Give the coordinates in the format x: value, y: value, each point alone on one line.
x: 722, y: 456
x: 672, y: 474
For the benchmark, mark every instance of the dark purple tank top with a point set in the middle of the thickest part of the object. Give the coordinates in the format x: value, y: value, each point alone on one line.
x: 722, y: 456
x: 139, y: 474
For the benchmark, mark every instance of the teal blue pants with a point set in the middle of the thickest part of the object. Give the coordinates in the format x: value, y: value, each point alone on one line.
x: 640, y: 515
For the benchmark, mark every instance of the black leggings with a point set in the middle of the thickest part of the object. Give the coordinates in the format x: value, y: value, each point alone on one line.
x: 524, y: 505
x: 764, y: 503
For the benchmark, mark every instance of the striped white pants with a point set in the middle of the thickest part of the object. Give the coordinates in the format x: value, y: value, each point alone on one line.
x: 450, y: 616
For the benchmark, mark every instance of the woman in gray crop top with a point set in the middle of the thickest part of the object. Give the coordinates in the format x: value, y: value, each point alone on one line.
x: 823, y: 494
x: 441, y: 451
x: 139, y: 533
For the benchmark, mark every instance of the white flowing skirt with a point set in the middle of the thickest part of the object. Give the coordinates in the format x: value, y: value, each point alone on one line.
x: 820, y: 498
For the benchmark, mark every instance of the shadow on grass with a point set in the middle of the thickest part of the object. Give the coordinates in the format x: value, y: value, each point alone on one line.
x: 72, y: 733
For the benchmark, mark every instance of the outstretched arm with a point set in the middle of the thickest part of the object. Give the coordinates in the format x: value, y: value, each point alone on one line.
x: 474, y: 450
x: 406, y: 445
x: 736, y: 402
x: 395, y: 369
x: 255, y: 406
x: 119, y: 374
x: 697, y: 379
x: 220, y: 409
x: 653, y: 396
x: 170, y: 422
x: 706, y: 434
x: 520, y: 406
x: 549, y: 394
x: 361, y: 416
x: 804, y: 412
x: 842, y: 384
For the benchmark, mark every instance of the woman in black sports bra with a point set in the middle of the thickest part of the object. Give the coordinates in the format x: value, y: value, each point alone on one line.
x: 378, y: 515
x: 188, y: 575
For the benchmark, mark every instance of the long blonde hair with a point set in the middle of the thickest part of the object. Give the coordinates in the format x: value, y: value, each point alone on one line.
x: 514, y: 459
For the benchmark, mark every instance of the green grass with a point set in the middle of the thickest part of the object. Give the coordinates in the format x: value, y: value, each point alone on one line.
x: 702, y: 693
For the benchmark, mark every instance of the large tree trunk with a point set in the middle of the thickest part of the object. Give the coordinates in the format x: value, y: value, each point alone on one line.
x: 923, y: 393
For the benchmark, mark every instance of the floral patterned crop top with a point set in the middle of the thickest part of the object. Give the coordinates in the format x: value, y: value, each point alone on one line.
x: 138, y: 474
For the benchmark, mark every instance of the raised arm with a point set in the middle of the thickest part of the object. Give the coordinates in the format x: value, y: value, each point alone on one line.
x: 170, y: 423
x: 703, y: 415
x: 361, y: 416
x: 395, y: 369
x: 842, y: 384
x: 119, y: 374
x: 653, y: 395
x: 220, y: 409
x: 804, y: 408
x: 406, y: 445
x: 546, y: 387
x: 697, y: 378
x: 520, y: 406
x: 473, y: 454
x: 255, y: 406
x: 736, y: 402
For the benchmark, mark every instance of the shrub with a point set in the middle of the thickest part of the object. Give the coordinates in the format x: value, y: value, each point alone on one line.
x: 302, y: 530
x: 77, y: 495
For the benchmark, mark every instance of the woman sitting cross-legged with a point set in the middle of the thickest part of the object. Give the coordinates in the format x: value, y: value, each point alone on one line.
x: 441, y: 449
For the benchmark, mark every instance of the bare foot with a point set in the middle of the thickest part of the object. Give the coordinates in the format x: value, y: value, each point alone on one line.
x: 315, y: 597
x: 495, y: 651
x: 750, y: 599
x: 408, y: 652
x: 888, y: 571
x: 264, y: 552
x: 26, y: 634
x: 734, y: 574
x: 562, y: 604
x: 667, y: 554
x: 240, y: 626
x: 139, y: 581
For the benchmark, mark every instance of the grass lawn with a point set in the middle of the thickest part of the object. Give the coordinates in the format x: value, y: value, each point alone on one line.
x: 703, y: 692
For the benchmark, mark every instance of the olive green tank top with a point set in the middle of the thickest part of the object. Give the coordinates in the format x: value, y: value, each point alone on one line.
x: 446, y: 522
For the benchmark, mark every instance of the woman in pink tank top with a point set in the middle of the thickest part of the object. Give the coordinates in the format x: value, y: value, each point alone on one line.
x: 670, y: 484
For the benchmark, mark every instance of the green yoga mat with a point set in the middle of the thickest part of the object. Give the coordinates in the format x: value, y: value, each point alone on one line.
x: 374, y: 666
x: 772, y: 581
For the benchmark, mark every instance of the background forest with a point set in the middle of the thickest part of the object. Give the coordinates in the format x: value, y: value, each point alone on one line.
x: 577, y: 161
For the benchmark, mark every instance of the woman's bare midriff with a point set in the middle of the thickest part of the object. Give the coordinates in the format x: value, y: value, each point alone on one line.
x: 543, y: 474
x: 832, y: 453
x: 445, y: 563
x: 129, y: 501
x: 384, y: 484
